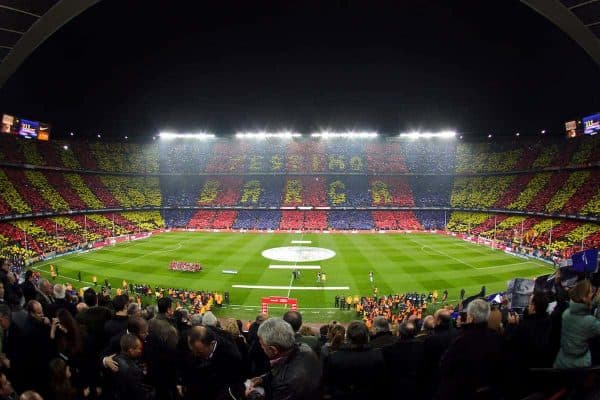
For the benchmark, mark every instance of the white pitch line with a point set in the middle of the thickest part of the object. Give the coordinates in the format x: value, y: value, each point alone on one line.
x: 301, y: 241
x: 293, y: 288
x: 442, y: 253
x: 509, y: 265
x: 276, y: 266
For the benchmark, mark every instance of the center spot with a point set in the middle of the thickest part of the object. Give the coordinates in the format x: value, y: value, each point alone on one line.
x: 298, y: 254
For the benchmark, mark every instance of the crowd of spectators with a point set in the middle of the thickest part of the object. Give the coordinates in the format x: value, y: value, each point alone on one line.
x: 65, y: 344
x: 274, y: 155
x: 431, y: 220
x: 257, y: 220
x: 431, y: 191
x: 433, y: 156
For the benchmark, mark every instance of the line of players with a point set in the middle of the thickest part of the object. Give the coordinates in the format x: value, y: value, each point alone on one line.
x: 322, y: 276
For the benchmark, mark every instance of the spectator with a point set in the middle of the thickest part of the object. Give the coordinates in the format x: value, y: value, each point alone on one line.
x: 67, y: 338
x: 45, y: 297
x: 4, y: 279
x: 134, y: 310
x: 6, y: 390
x: 161, y: 351
x: 91, y: 321
x: 212, y: 366
x: 383, y: 336
x: 30, y: 395
x: 59, y: 386
x: 259, y: 363
x: 209, y: 319
x: 578, y: 327
x: 436, y: 344
x: 58, y: 301
x: 11, y: 355
x: 473, y: 366
x: 28, y: 286
x: 36, y: 354
x: 129, y: 379
x: 196, y: 320
x: 427, y: 327
x: 232, y: 328
x: 335, y: 339
x: 295, y: 370
x: 355, y: 370
x: 118, y: 323
x: 294, y: 318
x: 404, y: 361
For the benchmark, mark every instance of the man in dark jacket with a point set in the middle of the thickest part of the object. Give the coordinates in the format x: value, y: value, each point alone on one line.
x: 36, y: 353
x: 435, y: 346
x: 528, y: 342
x: 58, y: 301
x: 28, y: 287
x: 356, y: 371
x: 11, y: 350
x: 404, y: 361
x: 213, y: 366
x: 128, y: 381
x: 294, y: 318
x: 474, y: 365
x: 92, y: 321
x: 295, y: 370
x: 383, y: 336
x: 259, y: 363
x: 118, y: 323
x: 45, y: 297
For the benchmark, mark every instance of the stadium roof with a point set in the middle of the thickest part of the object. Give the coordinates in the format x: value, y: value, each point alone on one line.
x: 25, y: 24
x: 580, y: 19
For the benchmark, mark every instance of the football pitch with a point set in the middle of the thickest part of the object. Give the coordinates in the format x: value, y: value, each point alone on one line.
x: 401, y: 263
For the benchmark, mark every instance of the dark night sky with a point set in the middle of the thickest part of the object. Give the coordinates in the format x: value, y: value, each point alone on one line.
x: 137, y: 67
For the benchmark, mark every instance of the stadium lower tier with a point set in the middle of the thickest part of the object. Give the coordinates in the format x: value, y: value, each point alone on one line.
x: 31, y: 237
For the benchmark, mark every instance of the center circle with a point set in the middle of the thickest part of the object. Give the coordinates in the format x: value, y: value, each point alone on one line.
x: 298, y: 254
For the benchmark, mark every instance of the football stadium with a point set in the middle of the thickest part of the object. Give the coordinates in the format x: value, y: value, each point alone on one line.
x: 297, y: 257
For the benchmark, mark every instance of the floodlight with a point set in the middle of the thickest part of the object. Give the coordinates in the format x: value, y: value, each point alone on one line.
x: 199, y: 136
x: 347, y: 135
x: 265, y: 135
x: 427, y: 135
x: 65, y: 147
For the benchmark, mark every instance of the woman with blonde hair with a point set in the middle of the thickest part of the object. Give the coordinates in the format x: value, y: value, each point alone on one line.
x: 231, y: 326
x: 578, y: 327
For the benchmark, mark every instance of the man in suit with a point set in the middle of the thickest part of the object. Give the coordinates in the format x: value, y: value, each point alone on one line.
x: 211, y: 367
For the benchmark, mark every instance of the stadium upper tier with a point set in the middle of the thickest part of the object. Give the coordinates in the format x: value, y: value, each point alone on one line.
x: 26, y: 191
x: 307, y: 156
x: 351, y: 185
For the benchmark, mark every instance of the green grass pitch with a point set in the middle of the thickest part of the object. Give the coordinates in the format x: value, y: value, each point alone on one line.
x: 401, y: 262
